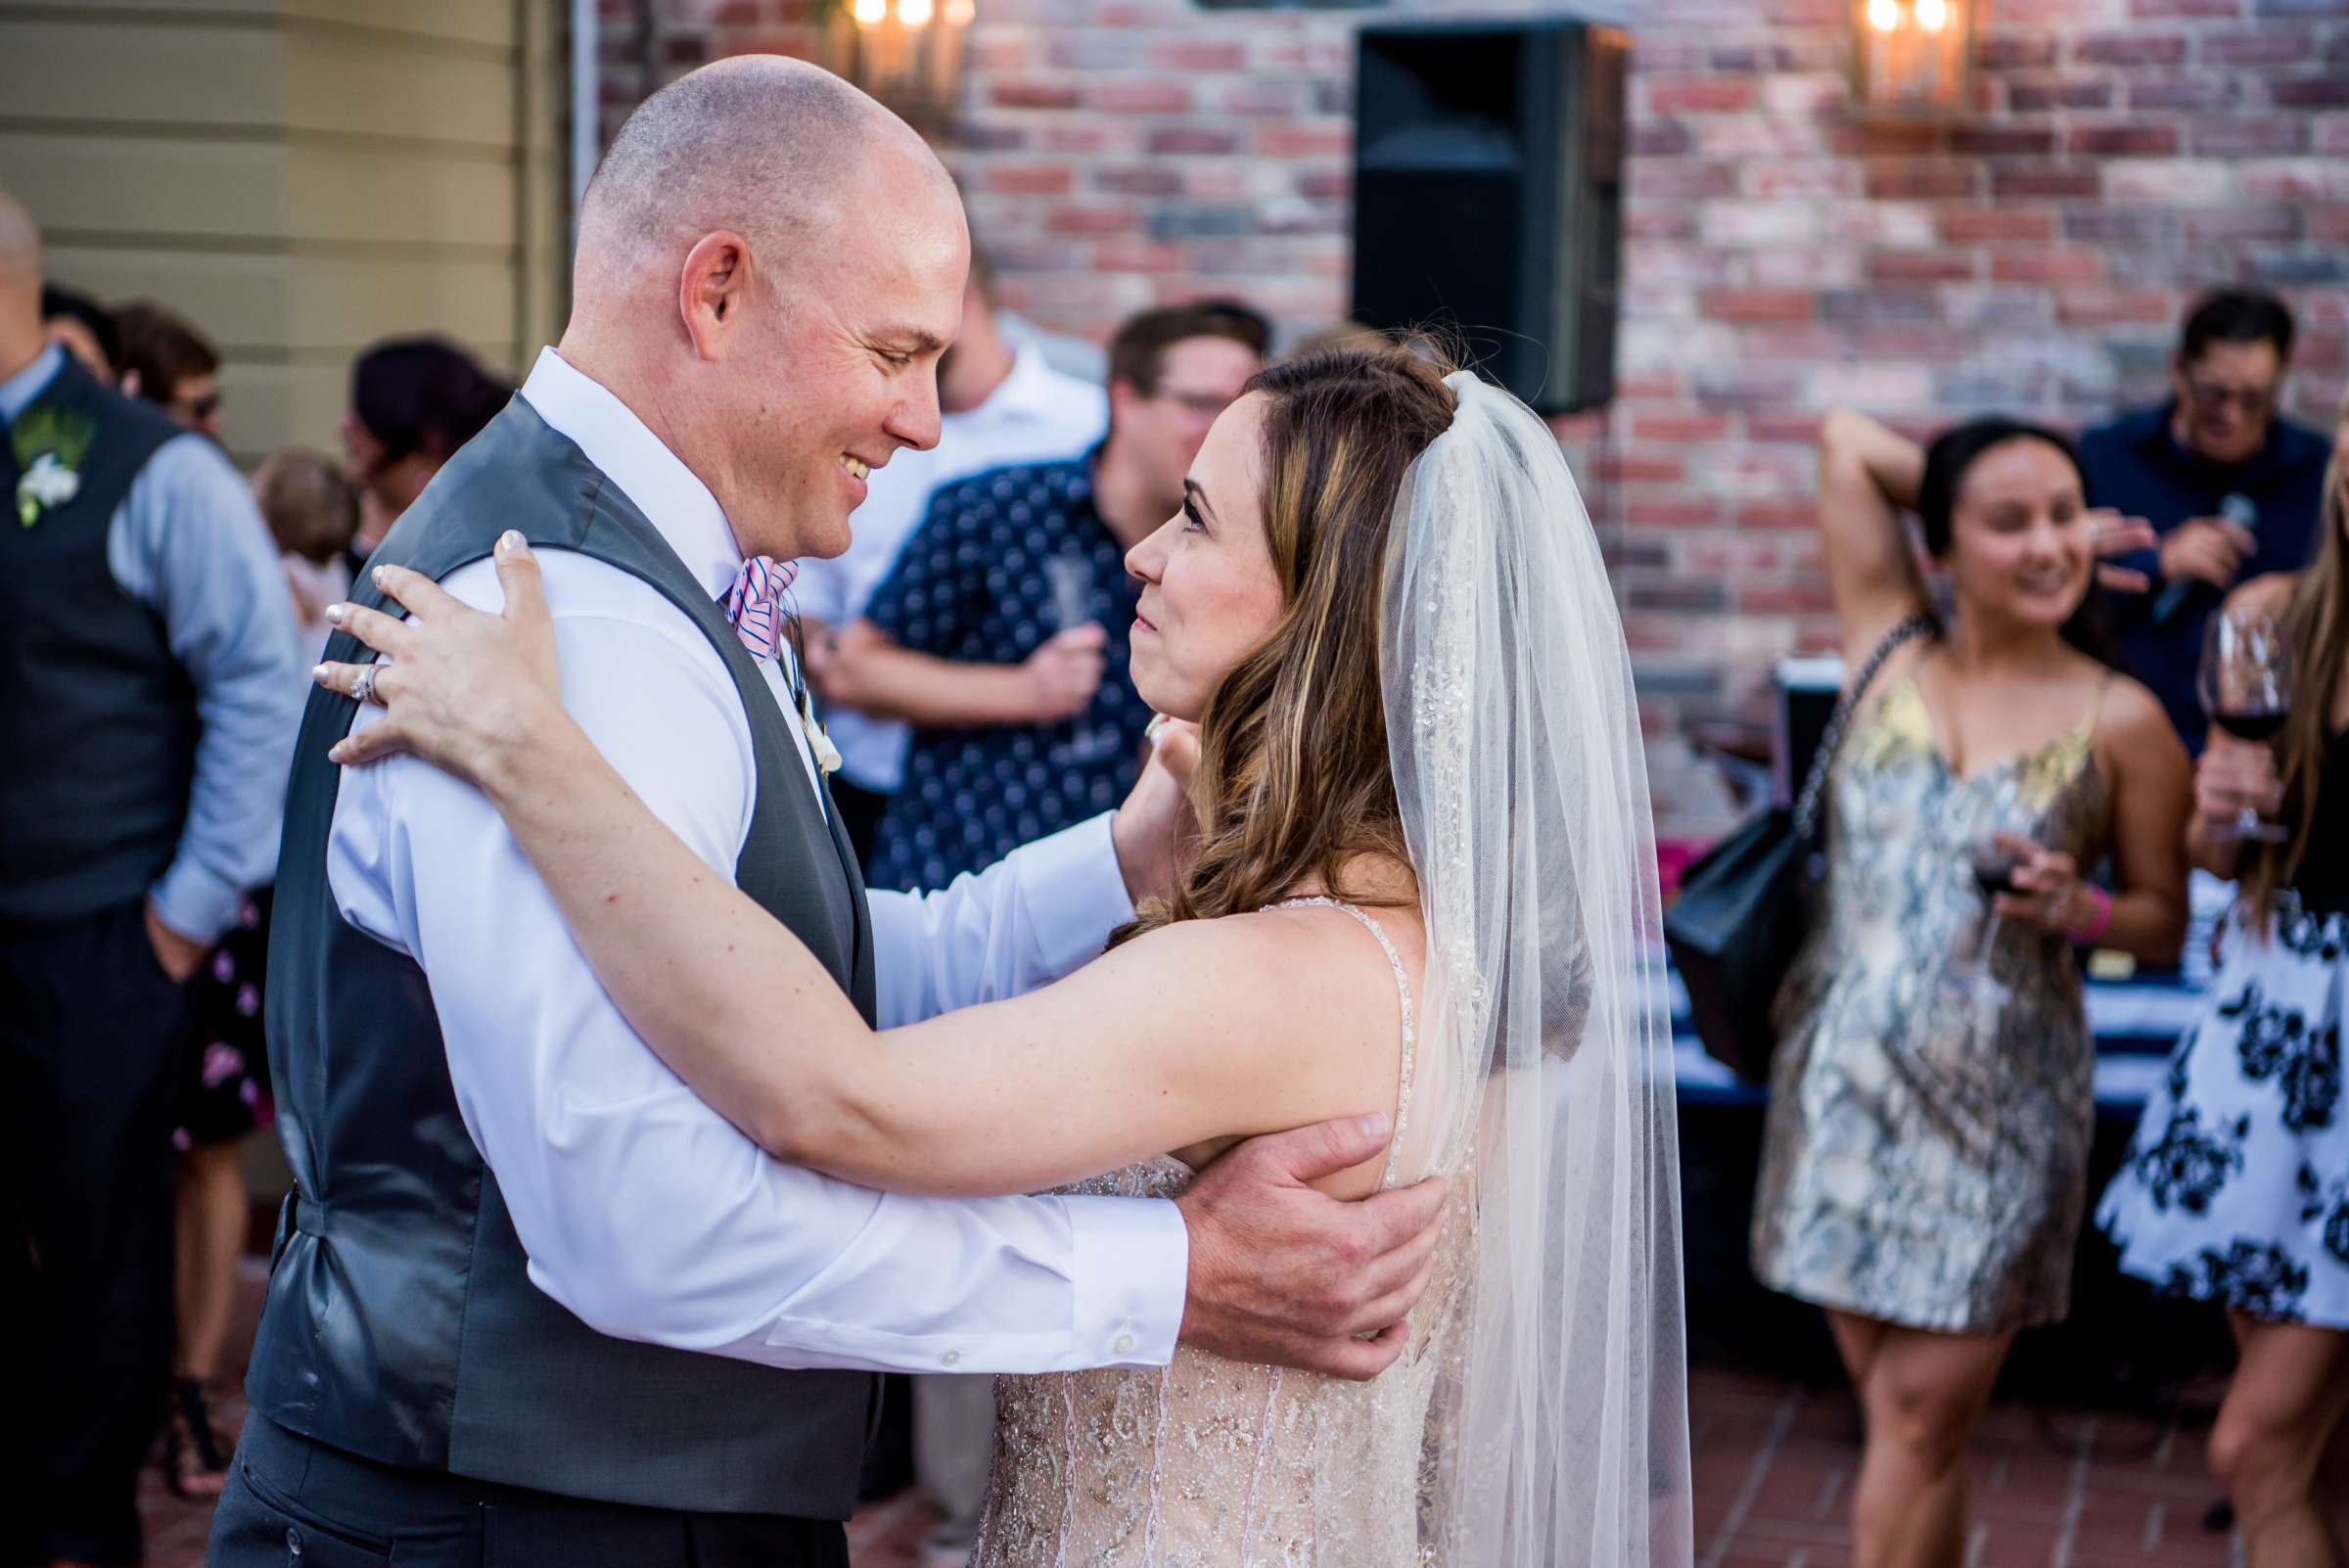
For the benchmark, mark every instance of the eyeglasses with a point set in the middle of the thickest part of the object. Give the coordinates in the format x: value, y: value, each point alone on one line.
x: 1205, y: 404
x: 2211, y: 397
x: 198, y: 409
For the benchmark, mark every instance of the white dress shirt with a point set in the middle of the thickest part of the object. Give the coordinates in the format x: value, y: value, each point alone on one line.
x: 643, y: 1211
x: 1036, y: 414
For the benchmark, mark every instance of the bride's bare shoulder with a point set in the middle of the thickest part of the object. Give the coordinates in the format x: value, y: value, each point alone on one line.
x: 1297, y: 1009
x: 1314, y: 943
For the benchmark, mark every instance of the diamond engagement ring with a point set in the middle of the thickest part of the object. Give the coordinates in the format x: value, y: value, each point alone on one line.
x: 362, y: 685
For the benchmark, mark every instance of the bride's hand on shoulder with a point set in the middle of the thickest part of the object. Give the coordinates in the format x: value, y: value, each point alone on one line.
x: 462, y: 689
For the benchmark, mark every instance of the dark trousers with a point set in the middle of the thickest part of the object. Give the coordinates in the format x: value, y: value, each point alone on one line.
x: 861, y: 810
x: 293, y: 1502
x: 91, y: 1034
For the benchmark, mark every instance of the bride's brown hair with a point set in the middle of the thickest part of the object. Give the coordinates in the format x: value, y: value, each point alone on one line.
x: 1293, y: 784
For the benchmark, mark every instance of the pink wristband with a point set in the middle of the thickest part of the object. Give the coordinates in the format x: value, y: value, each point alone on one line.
x: 2088, y: 934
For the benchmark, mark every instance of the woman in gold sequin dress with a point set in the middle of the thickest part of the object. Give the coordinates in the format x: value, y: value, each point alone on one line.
x: 1424, y: 884
x: 1926, y: 1161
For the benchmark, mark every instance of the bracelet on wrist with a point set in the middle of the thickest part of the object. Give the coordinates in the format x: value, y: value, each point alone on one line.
x: 2085, y: 933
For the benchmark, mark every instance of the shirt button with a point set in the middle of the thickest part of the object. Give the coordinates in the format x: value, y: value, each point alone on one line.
x: 1123, y: 1344
x: 951, y: 1357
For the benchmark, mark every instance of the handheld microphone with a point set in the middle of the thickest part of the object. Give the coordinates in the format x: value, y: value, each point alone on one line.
x: 2237, y: 508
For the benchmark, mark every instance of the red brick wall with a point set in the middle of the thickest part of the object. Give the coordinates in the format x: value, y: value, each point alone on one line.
x: 1784, y: 254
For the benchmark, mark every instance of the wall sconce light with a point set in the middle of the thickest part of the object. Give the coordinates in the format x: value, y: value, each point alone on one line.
x: 906, y: 52
x: 1912, y: 57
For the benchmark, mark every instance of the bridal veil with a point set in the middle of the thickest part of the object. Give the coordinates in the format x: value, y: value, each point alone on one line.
x: 1557, y: 1435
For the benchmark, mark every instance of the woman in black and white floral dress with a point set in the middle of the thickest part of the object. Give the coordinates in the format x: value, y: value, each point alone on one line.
x: 2237, y: 1189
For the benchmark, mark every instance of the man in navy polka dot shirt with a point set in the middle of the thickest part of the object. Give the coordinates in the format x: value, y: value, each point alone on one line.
x: 1000, y: 635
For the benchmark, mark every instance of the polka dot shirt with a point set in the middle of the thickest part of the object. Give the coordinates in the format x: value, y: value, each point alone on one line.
x: 1001, y: 564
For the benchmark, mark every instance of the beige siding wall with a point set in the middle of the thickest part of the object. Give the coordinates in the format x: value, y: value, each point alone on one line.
x: 299, y: 177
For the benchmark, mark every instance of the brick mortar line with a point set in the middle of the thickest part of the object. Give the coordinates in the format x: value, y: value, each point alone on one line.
x: 1751, y: 1487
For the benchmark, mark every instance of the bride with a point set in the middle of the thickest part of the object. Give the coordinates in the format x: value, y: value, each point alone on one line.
x: 1424, y: 879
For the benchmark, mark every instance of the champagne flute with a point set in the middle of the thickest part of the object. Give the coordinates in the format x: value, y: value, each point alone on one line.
x: 1071, y: 578
x: 2246, y: 689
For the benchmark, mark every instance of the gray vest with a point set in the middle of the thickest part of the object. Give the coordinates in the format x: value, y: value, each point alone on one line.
x: 89, y: 686
x: 400, y: 1325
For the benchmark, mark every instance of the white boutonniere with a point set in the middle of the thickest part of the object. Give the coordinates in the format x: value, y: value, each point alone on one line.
x: 49, y: 447
x: 45, y: 486
x: 827, y: 756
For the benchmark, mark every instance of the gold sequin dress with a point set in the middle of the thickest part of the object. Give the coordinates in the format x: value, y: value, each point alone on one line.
x: 1210, y: 1463
x: 1925, y: 1156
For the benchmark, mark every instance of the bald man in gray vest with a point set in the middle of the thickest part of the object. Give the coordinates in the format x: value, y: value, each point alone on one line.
x: 533, y: 1301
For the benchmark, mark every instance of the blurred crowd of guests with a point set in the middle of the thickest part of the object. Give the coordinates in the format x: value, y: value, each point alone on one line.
x: 2029, y: 776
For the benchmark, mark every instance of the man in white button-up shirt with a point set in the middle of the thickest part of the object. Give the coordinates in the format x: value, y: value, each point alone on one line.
x: 770, y: 266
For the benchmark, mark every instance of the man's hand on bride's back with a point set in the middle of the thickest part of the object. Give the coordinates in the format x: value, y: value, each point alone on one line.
x: 1283, y: 1274
x: 460, y: 688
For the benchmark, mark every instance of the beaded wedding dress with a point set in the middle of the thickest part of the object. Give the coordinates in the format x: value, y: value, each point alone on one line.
x: 1538, y: 1416
x: 1209, y: 1463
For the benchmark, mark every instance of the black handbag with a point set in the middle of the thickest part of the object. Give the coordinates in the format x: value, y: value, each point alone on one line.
x: 1745, y: 904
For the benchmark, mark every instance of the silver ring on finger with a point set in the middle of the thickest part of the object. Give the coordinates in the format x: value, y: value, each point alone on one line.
x: 362, y: 685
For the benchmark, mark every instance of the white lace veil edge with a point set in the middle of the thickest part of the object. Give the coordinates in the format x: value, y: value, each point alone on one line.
x: 1558, y: 1432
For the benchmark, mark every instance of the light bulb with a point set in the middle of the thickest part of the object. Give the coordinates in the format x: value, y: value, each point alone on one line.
x: 962, y: 13
x: 1883, y: 15
x: 869, y: 13
x: 916, y: 13
x: 1932, y: 15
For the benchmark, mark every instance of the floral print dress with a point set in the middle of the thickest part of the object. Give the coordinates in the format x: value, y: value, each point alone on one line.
x: 2237, y: 1186
x: 224, y: 1083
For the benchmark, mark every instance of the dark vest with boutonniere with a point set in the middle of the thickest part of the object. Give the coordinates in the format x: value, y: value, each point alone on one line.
x: 401, y: 1323
x: 97, y: 719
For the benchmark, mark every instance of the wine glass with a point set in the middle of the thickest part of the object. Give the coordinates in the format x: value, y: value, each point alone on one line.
x: 1072, y: 581
x: 2246, y: 689
x: 1993, y: 865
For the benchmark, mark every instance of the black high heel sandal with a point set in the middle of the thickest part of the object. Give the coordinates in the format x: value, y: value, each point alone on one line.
x: 194, y: 1461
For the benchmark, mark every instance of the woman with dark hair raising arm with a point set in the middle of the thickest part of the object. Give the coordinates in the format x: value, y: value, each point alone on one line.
x: 1926, y: 1161
x: 2237, y: 1188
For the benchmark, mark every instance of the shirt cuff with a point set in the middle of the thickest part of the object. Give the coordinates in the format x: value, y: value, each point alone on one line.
x: 1072, y: 891
x: 1132, y: 1265
x: 195, y: 902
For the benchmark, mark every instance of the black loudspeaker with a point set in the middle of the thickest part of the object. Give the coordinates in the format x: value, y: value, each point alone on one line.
x: 1488, y: 195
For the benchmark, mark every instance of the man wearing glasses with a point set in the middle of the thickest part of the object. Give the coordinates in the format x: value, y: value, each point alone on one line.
x: 1001, y: 632
x: 2232, y: 486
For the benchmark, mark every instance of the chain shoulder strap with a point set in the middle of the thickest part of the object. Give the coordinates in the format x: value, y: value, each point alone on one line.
x: 1831, y: 740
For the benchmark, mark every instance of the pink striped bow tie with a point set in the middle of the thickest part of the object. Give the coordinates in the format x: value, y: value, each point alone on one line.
x: 754, y: 603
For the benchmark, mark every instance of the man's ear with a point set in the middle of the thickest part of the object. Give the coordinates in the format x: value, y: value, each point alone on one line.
x: 1123, y: 395
x: 712, y: 289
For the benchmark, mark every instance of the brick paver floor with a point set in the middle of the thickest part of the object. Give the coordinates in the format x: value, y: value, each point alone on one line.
x: 1774, y: 1465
